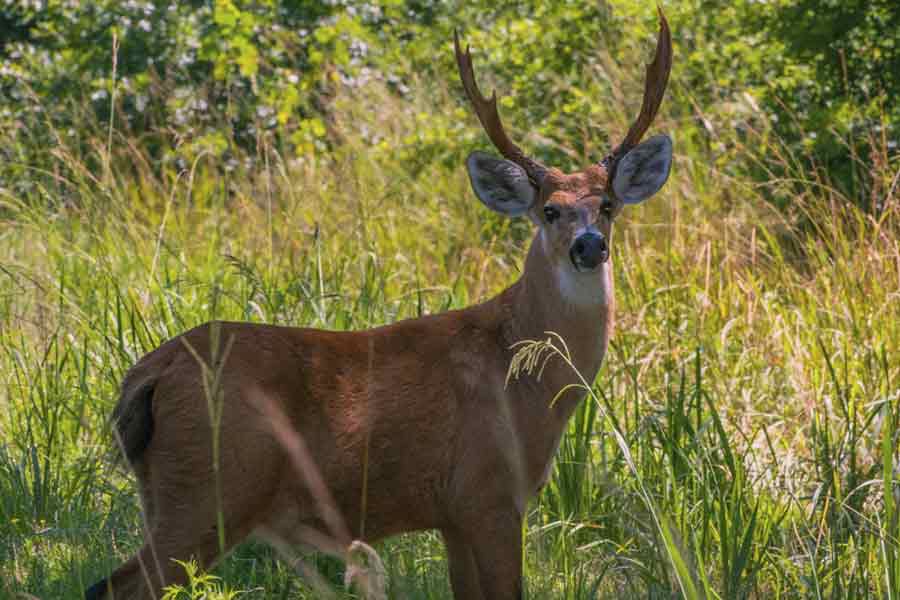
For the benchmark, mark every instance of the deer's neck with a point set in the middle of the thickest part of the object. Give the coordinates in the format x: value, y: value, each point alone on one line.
x: 578, y: 306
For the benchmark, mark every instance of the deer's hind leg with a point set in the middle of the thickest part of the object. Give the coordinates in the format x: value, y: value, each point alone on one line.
x: 183, y: 515
x: 155, y: 565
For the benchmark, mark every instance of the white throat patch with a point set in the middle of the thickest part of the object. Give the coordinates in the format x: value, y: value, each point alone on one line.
x: 584, y: 289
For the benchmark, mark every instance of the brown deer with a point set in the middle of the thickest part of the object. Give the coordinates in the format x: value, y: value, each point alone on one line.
x: 324, y: 437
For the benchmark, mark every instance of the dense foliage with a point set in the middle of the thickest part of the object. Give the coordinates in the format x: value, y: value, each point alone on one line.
x: 201, y: 77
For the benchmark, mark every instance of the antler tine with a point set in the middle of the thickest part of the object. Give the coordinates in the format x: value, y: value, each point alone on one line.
x: 486, y: 111
x: 657, y: 78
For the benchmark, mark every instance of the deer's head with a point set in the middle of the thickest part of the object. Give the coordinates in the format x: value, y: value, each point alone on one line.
x: 575, y: 211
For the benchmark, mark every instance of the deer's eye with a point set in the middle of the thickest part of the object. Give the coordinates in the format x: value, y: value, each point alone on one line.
x: 551, y: 213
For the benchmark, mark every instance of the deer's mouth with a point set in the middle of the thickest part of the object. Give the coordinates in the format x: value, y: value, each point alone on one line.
x: 588, y: 266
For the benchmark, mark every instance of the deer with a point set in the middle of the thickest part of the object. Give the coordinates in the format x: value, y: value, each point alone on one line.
x: 323, y: 437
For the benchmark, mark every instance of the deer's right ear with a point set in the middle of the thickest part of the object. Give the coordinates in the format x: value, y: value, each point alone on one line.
x: 502, y: 186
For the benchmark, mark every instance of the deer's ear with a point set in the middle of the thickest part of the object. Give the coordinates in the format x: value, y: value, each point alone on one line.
x: 643, y: 170
x: 501, y: 185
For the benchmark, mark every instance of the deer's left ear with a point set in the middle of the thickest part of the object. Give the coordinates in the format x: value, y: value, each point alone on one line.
x: 501, y: 185
x: 643, y: 170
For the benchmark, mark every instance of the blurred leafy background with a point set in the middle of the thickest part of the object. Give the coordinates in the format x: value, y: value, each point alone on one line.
x: 212, y: 77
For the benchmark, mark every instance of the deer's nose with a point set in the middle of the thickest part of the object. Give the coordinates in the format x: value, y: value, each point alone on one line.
x: 589, y: 250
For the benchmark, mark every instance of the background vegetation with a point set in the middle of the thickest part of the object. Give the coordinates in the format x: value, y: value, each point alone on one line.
x: 166, y: 163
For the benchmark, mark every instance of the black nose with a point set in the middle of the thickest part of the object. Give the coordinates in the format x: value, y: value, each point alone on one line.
x: 589, y: 250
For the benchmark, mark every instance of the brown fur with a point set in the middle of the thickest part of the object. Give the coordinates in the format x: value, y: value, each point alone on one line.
x: 327, y: 437
x: 448, y: 445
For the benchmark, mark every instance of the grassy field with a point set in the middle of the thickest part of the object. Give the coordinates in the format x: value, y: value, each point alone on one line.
x: 750, y: 399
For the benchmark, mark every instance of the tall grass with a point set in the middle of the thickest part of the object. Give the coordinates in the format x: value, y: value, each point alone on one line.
x: 750, y: 395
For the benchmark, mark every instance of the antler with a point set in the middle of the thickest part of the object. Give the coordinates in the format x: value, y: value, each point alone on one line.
x: 486, y: 110
x: 654, y: 88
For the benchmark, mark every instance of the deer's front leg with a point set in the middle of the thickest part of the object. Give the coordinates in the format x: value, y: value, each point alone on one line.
x: 464, y: 577
x: 495, y: 540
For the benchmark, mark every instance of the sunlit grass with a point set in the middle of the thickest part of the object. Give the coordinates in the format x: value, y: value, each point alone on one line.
x: 753, y: 376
